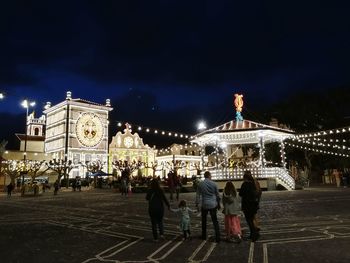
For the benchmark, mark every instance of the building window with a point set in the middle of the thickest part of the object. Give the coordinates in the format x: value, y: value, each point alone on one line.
x: 36, y: 131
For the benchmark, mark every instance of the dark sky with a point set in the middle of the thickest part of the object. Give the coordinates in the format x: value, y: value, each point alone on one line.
x: 169, y: 57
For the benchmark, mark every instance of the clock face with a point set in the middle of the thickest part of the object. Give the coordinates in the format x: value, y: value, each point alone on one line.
x: 89, y: 129
x: 128, y: 142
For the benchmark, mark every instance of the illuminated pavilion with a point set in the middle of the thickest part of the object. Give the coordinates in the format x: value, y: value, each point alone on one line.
x: 232, y: 135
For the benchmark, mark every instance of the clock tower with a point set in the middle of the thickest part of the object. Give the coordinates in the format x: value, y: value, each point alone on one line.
x: 77, y: 130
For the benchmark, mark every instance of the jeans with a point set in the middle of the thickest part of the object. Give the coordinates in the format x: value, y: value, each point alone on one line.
x: 214, y: 218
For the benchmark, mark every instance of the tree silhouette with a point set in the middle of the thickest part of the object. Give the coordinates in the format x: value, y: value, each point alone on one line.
x: 61, y: 167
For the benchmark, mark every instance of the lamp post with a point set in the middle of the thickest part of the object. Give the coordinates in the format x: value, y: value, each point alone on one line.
x: 26, y: 104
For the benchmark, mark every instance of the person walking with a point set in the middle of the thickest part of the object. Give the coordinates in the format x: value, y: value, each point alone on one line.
x: 231, y: 211
x: 250, y: 203
x: 156, y: 199
x: 208, y: 196
x: 185, y: 220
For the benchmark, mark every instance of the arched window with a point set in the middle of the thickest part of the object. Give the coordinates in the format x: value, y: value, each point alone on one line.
x: 36, y: 131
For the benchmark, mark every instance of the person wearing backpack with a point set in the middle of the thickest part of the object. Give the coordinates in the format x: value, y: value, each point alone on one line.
x: 258, y: 194
x: 250, y: 203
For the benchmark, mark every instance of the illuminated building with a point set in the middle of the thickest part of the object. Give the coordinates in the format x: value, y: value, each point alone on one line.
x: 187, y: 160
x: 130, y: 147
x: 77, y: 130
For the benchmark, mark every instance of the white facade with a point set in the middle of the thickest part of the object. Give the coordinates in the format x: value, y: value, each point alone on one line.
x: 129, y: 147
x: 187, y: 159
x: 77, y: 129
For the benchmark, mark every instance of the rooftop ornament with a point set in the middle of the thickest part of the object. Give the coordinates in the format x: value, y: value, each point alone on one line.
x: 238, y: 102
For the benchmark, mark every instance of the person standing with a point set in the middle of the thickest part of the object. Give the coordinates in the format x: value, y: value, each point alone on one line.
x: 231, y: 211
x: 78, y: 184
x: 171, y: 185
x: 124, y: 182
x: 9, y: 189
x: 177, y: 184
x: 209, y: 198
x: 156, y: 199
x: 250, y: 203
x: 56, y: 186
x: 337, y: 177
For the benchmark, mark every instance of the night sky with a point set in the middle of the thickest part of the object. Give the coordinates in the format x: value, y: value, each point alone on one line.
x: 162, y: 61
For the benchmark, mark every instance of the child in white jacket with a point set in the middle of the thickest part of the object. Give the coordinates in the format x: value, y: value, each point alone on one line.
x: 231, y: 211
x: 185, y: 220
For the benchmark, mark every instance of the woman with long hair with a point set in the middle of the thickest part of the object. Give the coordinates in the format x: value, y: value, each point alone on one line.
x: 156, y: 199
x: 250, y: 203
x: 231, y: 211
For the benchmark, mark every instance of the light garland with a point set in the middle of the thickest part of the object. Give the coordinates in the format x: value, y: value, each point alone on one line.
x: 322, y: 144
x: 283, y: 155
x: 326, y: 140
x: 149, y: 130
x: 324, y: 133
x: 317, y: 150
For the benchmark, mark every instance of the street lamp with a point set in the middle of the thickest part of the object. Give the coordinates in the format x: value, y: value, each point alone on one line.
x: 201, y: 126
x: 26, y: 104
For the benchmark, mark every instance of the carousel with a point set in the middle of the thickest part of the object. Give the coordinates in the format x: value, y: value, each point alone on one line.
x: 236, y: 140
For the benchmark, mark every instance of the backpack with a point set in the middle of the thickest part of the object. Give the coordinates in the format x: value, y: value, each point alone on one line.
x: 258, y: 191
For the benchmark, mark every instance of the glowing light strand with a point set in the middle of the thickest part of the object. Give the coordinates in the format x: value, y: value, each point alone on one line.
x: 325, y: 133
x: 149, y: 130
x: 329, y: 143
x: 317, y: 150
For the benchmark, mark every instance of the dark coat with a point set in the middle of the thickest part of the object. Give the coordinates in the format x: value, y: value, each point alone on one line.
x: 250, y: 200
x: 156, y: 200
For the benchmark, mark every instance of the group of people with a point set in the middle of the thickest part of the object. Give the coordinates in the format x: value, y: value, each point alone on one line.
x: 208, y: 201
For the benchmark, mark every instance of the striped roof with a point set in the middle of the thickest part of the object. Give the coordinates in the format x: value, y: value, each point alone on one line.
x: 234, y: 125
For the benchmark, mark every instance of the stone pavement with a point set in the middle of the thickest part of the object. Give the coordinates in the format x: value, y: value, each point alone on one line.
x: 311, y: 225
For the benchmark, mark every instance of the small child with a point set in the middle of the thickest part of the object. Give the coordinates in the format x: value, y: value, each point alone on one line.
x: 231, y: 211
x: 185, y: 218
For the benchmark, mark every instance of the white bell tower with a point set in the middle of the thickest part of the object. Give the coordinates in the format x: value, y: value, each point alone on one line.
x: 35, y: 126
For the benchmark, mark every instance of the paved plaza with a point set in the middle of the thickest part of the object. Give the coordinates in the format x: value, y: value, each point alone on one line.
x: 98, y: 225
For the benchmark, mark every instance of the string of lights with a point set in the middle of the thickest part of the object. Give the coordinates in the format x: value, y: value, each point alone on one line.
x: 325, y: 140
x: 317, y: 150
x: 149, y: 130
x: 324, y: 133
x: 322, y: 144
